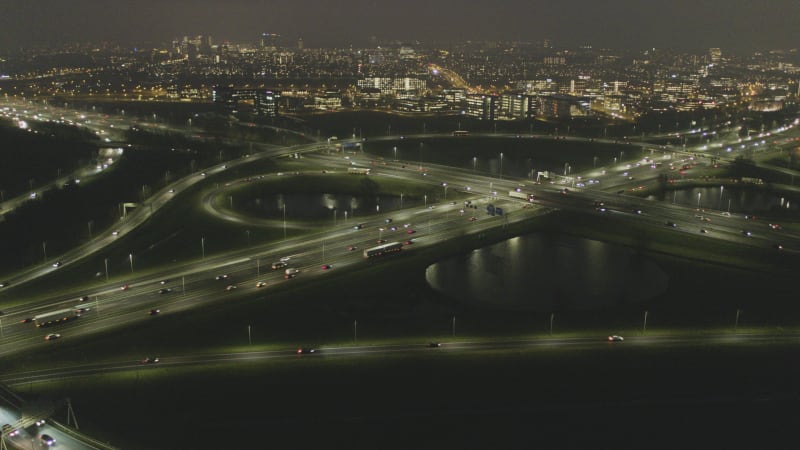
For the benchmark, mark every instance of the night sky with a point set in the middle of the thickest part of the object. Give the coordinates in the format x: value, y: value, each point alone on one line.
x: 733, y: 25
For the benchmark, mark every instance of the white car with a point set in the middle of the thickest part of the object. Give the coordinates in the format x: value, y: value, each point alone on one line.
x: 615, y: 338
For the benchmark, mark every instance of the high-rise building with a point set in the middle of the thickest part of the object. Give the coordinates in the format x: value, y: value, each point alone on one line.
x: 300, y: 44
x: 270, y: 41
x: 715, y: 54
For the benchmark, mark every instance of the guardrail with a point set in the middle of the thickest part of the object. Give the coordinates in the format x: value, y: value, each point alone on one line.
x: 10, y: 397
x: 89, y: 441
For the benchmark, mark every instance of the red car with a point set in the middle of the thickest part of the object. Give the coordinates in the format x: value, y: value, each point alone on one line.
x: 124, y: 288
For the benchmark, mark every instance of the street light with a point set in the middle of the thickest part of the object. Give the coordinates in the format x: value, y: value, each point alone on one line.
x: 395, y: 153
x: 698, y: 200
x: 444, y: 185
x: 501, y: 165
x: 426, y: 200
x: 284, y: 221
x: 203, y: 246
x: 130, y: 257
x: 474, y: 163
x: 721, y: 190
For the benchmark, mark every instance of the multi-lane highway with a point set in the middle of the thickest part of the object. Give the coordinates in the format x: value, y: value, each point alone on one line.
x: 339, y: 247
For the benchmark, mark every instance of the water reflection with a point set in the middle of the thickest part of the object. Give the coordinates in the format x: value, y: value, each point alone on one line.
x: 731, y: 198
x: 317, y: 206
x: 549, y: 273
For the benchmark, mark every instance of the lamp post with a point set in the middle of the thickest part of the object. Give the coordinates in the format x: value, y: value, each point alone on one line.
x: 203, y: 247
x: 395, y: 153
x: 130, y: 257
x: 284, y: 221
x: 698, y: 200
x: 474, y: 163
x: 444, y: 185
x: 721, y: 190
x: 426, y: 200
x: 106, y: 264
x: 501, y: 165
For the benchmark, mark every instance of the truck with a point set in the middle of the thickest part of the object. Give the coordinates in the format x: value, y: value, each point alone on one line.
x: 358, y: 170
x: 383, y: 249
x: 55, y: 317
x: 527, y: 196
x: 290, y: 273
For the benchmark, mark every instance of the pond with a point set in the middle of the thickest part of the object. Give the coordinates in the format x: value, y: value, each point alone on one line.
x: 549, y: 273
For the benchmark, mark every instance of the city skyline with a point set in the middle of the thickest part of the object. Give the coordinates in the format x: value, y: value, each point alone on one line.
x: 624, y: 24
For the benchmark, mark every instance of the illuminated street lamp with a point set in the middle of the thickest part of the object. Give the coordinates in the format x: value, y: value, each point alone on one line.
x: 130, y: 257
x: 698, y: 200
x: 501, y: 165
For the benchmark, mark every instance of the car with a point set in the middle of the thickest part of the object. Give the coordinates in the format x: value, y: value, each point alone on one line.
x: 5, y: 284
x: 84, y: 298
x: 381, y: 241
x: 10, y: 431
x: 747, y: 233
x: 777, y: 246
x: 278, y: 265
x: 393, y: 228
x: 230, y: 287
x: 672, y: 224
x: 52, y: 336
x: 124, y: 287
x: 81, y: 310
x: 221, y: 277
x: 115, y: 233
x: 388, y: 220
x: 285, y: 259
x: 27, y: 320
x: 352, y: 247
x: 408, y: 242
x: 306, y: 350
x: 291, y: 272
x: 406, y: 225
x: 163, y: 282
x: 434, y: 344
x: 57, y: 264
x: 172, y: 191
x: 775, y: 226
x: 153, y: 312
x: 473, y: 219
x: 202, y: 174
x: 725, y: 213
x: 47, y: 440
x: 164, y: 291
x: 261, y: 284
x: 636, y: 211
x: 616, y: 338
x: 358, y: 227
x: 150, y: 360
x: 411, y: 231
x: 326, y: 266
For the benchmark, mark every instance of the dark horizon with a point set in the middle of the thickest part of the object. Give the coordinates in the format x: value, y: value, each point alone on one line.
x: 736, y: 27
